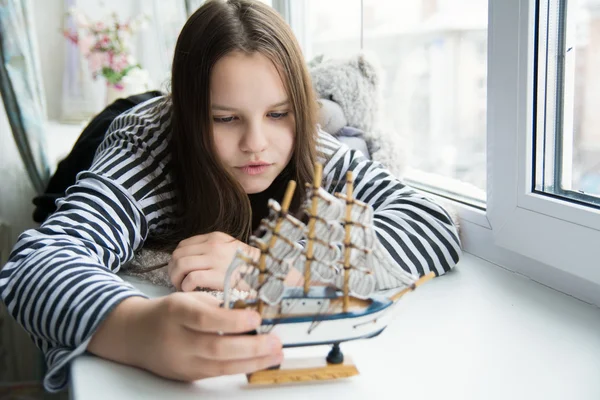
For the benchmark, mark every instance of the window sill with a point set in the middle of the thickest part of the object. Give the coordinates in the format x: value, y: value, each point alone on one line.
x: 478, y: 238
x: 483, y: 331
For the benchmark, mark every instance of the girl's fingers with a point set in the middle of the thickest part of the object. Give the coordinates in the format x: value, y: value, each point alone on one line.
x: 205, y: 298
x: 240, y: 284
x: 212, y: 279
x: 180, y: 268
x: 235, y: 347
x: 294, y: 278
x: 199, y: 315
x: 195, y: 249
x: 194, y: 240
x: 209, y: 279
x: 213, y: 236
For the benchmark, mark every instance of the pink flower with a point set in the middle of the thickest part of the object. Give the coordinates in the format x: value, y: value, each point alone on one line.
x: 96, y: 61
x: 119, y: 62
x: 85, y: 45
x: 104, y: 41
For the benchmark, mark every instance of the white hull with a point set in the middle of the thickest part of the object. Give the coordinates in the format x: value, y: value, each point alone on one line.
x: 310, y: 333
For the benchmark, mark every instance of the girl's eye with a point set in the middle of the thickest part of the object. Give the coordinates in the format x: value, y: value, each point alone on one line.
x: 223, y: 120
x: 276, y: 115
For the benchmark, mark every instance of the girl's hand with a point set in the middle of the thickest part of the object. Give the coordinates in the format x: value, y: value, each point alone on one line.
x: 185, y: 336
x: 202, y: 260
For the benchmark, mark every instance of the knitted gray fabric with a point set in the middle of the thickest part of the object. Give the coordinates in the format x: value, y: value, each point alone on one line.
x: 144, y: 266
x: 353, y: 87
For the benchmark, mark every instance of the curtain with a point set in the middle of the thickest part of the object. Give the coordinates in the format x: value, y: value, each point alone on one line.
x: 23, y: 167
x: 82, y: 97
x: 156, y: 43
x: 22, y: 89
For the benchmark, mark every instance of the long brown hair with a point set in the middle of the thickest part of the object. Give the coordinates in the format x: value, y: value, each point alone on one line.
x: 208, y: 198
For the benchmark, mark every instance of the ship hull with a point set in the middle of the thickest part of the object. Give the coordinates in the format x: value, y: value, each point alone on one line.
x: 298, y: 331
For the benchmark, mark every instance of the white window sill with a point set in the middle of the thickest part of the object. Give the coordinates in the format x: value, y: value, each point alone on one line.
x: 480, y: 332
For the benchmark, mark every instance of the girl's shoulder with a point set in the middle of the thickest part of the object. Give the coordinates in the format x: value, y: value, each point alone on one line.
x: 156, y: 108
x: 149, y: 120
x: 327, y: 146
x: 144, y: 128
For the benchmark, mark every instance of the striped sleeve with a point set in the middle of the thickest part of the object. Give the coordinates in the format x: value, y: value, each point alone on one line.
x: 60, y: 281
x: 416, y: 232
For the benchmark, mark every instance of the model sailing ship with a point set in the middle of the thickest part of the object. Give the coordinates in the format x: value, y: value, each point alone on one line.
x: 342, y: 256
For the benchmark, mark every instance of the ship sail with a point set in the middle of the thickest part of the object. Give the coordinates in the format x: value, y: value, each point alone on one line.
x: 361, y: 283
x: 290, y: 229
x: 326, y: 237
x: 324, y: 271
x: 280, y: 249
x: 271, y: 290
x: 329, y: 231
x: 362, y: 213
x: 328, y: 206
x: 371, y: 267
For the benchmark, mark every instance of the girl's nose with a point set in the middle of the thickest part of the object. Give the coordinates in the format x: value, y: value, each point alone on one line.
x: 254, y: 140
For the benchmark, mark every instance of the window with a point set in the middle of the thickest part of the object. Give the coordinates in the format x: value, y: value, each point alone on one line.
x: 434, y: 60
x: 567, y: 139
x: 525, y: 71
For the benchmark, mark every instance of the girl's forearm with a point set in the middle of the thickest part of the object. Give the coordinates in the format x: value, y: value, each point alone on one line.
x: 118, y: 335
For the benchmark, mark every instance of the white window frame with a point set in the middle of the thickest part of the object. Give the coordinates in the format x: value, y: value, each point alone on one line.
x: 551, y: 241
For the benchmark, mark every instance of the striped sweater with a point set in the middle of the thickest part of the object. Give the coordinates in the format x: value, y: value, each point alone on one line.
x: 60, y: 281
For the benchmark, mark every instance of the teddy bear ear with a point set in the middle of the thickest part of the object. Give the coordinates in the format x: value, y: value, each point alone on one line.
x: 367, y: 69
x: 318, y: 59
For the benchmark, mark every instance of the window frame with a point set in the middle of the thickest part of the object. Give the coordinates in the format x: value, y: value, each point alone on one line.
x: 558, y: 233
x: 552, y: 241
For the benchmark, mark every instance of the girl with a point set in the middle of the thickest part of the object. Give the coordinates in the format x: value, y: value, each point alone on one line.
x: 193, y: 171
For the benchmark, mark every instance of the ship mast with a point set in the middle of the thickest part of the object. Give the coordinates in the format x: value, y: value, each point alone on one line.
x: 311, y: 225
x: 347, y: 243
x: 262, y: 267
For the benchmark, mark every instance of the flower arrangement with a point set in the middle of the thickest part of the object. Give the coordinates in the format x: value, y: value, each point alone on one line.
x: 106, y: 45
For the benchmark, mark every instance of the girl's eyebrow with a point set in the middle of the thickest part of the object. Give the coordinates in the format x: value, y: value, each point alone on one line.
x: 226, y: 108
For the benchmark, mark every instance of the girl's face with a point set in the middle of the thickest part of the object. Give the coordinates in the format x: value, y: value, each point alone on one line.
x: 253, y: 124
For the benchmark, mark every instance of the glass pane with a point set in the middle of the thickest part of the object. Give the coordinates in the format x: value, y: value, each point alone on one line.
x: 568, y: 139
x: 333, y: 28
x: 434, y: 59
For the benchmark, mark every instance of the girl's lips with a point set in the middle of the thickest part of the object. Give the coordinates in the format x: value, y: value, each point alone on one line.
x: 254, y: 169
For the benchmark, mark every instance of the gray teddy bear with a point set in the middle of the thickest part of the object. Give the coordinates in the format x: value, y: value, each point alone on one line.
x: 349, y: 92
